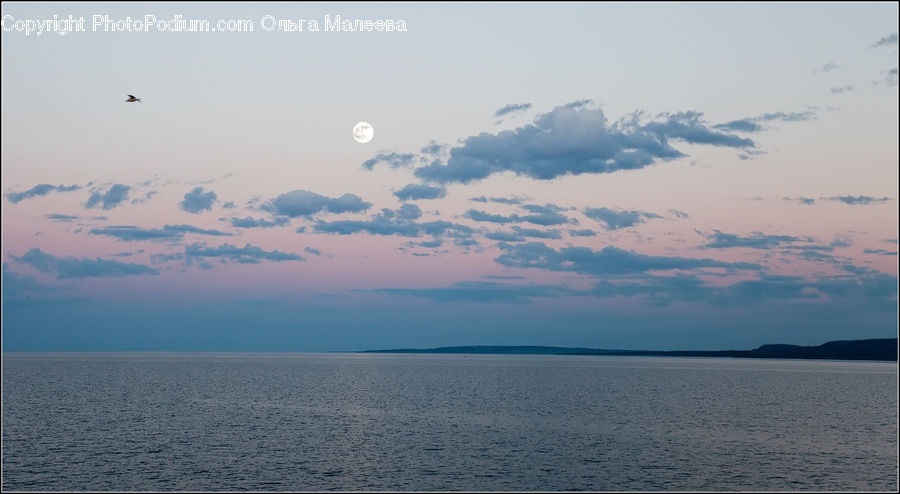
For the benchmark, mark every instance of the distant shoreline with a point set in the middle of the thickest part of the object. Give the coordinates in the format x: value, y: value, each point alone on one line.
x: 880, y: 349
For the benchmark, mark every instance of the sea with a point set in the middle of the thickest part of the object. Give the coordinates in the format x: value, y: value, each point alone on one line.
x: 423, y: 422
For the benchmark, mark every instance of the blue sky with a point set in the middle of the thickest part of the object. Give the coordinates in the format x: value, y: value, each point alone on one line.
x: 649, y: 176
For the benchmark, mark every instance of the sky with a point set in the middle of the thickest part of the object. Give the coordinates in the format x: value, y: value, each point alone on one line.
x: 663, y: 176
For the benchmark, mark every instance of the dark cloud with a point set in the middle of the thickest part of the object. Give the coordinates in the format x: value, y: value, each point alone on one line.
x: 476, y: 215
x: 501, y: 200
x: 170, y: 233
x: 305, y: 203
x: 742, y: 125
x: 433, y: 148
x: 750, y: 124
x: 719, y: 240
x: 229, y: 205
x: 608, y: 261
x: 196, y: 201
x: 881, y: 252
x: 506, y: 200
x: 519, y: 234
x: 250, y: 222
x: 420, y: 191
x: 615, y: 219
x: 394, y: 160
x: 572, y: 140
x: 61, y: 217
x: 109, y: 199
x: 39, y: 190
x: 807, y: 201
x: 71, y: 267
x: 504, y: 236
x: 512, y: 108
x: 407, y: 212
x: 532, y: 233
x: 582, y: 233
x: 890, y: 39
x: 310, y: 250
x: 541, y: 215
x: 856, y: 200
x: 389, y: 222
x: 546, y: 215
x: 249, y: 254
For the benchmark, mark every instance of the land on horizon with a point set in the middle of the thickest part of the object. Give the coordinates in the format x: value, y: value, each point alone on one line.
x: 869, y: 349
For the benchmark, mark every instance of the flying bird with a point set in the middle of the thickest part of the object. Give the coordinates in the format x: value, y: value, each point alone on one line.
x: 132, y: 99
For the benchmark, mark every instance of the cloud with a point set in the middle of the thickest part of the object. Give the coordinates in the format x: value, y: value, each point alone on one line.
x: 476, y: 215
x: 70, y: 267
x: 389, y: 222
x: 615, y: 219
x: 305, y: 203
x: 750, y: 124
x: 582, y: 233
x: 481, y: 291
x: 546, y: 215
x: 719, y: 240
x: 572, y: 140
x: 519, y: 234
x: 113, y: 196
x: 890, y: 39
x: 229, y: 205
x: 890, y: 79
x: 503, y: 236
x: 512, y: 108
x: 196, y: 201
x: 433, y: 148
x: 578, y: 104
x: 39, y: 190
x: 249, y: 254
x: 18, y: 287
x: 428, y: 244
x: 393, y: 160
x: 250, y: 222
x: 608, y: 261
x: 420, y: 191
x: 881, y: 252
x: 541, y: 215
x: 857, y: 200
x: 828, y: 67
x: 169, y: 233
x: 679, y: 214
x: 839, y: 90
x: 61, y: 217
x: 807, y: 201
x: 310, y: 250
x: 501, y: 200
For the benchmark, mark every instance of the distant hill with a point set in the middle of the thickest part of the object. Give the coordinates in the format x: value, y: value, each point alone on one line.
x: 874, y: 349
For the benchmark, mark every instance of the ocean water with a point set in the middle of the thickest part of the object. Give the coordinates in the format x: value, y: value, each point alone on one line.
x: 369, y: 422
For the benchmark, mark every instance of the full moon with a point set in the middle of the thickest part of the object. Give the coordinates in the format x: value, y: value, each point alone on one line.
x: 363, y: 132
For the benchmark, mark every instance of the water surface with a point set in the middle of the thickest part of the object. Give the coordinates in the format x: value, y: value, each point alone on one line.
x: 271, y: 422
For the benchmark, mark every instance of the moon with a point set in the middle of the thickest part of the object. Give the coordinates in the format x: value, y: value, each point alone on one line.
x: 363, y: 132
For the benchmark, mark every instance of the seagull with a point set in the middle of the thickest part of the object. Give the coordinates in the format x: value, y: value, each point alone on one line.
x: 132, y: 99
